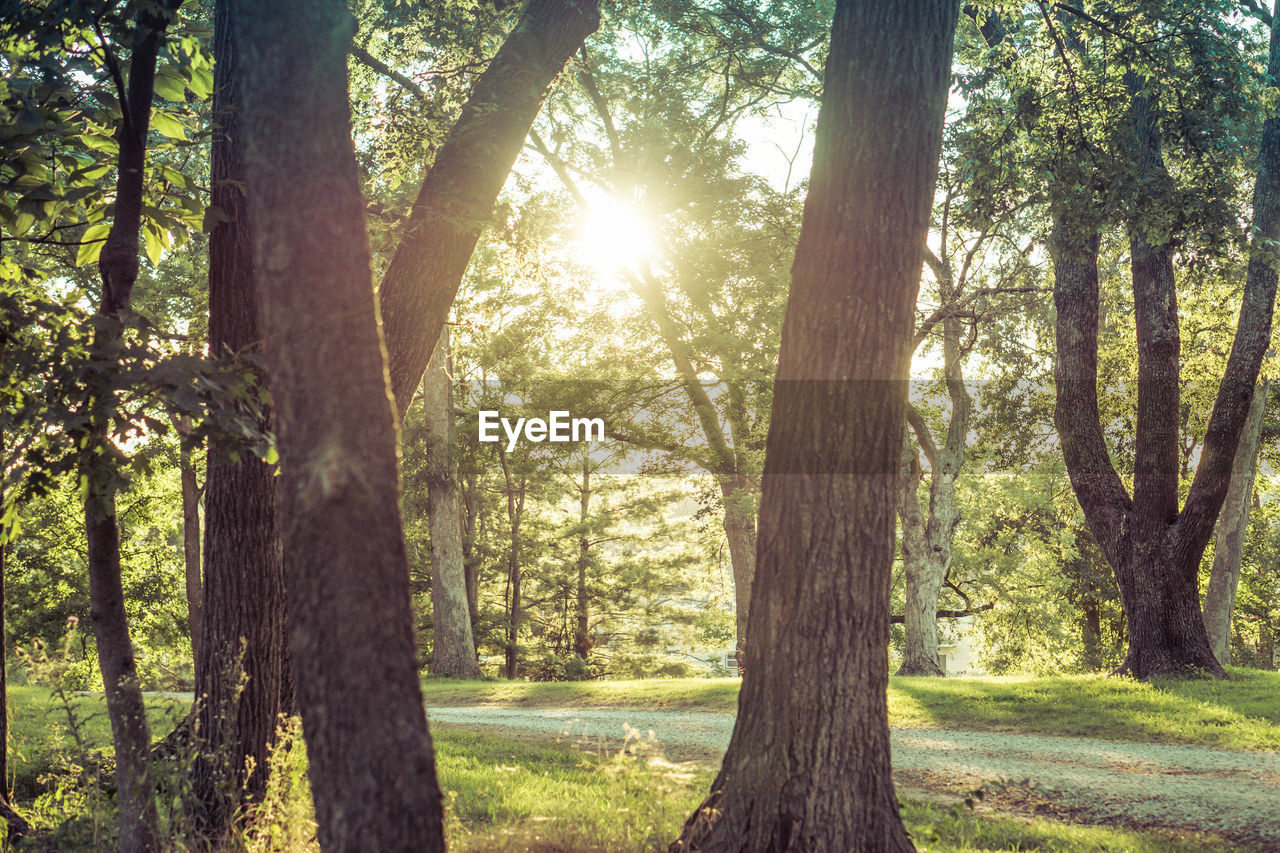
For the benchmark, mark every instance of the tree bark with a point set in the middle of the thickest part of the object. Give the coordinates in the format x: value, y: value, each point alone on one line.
x: 239, y: 678
x: 1230, y: 532
x: 1154, y: 548
x: 807, y: 768
x: 456, y: 199
x: 454, y: 650
x: 372, y: 766
x: 118, y: 268
x: 191, y: 542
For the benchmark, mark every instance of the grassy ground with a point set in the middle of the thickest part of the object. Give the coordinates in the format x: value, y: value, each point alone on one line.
x: 1243, y: 713
x: 40, y: 729
x: 509, y: 795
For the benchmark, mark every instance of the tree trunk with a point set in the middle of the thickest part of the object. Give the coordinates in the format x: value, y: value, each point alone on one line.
x: 740, y: 531
x: 807, y: 768
x: 456, y: 199
x: 372, y: 766
x: 118, y: 268
x: 191, y: 543
x: 1091, y: 633
x: 927, y: 560
x: 454, y: 650
x: 239, y: 678
x: 470, y: 558
x: 1230, y: 532
x: 919, y: 620
x: 1153, y: 548
x: 582, y: 624
x: 515, y: 511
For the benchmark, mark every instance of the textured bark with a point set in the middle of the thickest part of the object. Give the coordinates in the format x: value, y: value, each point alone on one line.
x: 1154, y: 548
x: 454, y: 650
x: 457, y: 197
x: 807, y: 768
x: 239, y: 678
x: 191, y: 543
x: 372, y: 767
x: 118, y: 268
x: 1229, y: 535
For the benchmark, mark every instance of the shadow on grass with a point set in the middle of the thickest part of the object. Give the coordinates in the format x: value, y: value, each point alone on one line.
x: 1242, y: 713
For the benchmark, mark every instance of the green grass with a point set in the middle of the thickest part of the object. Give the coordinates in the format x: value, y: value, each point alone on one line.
x: 1242, y: 714
x: 507, y: 794
x: 40, y: 729
x: 510, y: 795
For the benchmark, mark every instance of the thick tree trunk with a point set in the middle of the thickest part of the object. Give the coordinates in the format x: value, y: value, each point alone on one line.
x: 807, y: 768
x: 1153, y: 548
x: 1229, y: 536
x: 456, y: 199
x: 454, y: 650
x: 118, y: 267
x: 372, y: 766
x: 740, y: 531
x: 239, y: 678
x: 582, y: 621
x: 191, y: 543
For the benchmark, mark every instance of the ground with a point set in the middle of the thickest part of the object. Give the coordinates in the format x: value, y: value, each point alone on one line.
x: 1176, y: 756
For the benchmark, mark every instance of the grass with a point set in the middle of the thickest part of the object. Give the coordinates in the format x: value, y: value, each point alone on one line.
x: 510, y: 795
x: 507, y: 794
x: 40, y: 730
x: 1240, y: 714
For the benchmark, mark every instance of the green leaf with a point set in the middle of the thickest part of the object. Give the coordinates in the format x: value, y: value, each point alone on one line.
x: 154, y: 241
x: 168, y: 125
x: 171, y: 86
x: 97, y: 142
x: 92, y: 241
x: 201, y: 82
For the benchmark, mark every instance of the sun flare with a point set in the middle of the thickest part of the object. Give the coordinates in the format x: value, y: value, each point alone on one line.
x: 614, y: 237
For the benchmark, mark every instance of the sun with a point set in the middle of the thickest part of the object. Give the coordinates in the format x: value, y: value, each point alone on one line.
x: 615, y: 237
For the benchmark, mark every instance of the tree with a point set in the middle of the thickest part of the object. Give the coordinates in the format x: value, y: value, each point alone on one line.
x: 457, y: 196
x: 350, y: 619
x: 808, y: 764
x: 1154, y: 546
x: 453, y: 651
x: 1230, y: 532
x: 118, y: 267
x: 239, y: 676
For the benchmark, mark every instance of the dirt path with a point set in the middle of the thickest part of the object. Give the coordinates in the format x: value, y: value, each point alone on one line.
x: 1235, y: 794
